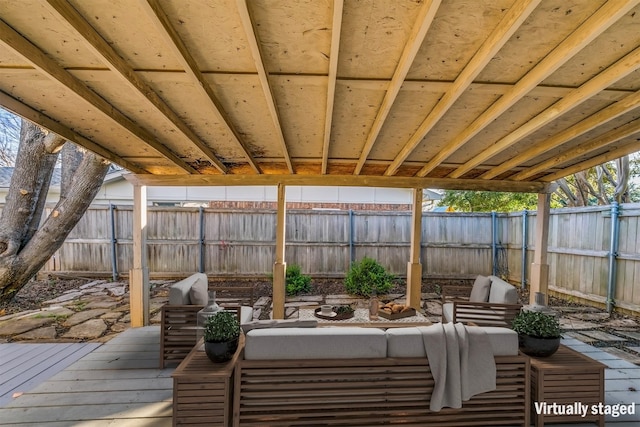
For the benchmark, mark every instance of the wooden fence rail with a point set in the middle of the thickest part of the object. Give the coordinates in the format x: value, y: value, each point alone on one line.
x: 240, y: 243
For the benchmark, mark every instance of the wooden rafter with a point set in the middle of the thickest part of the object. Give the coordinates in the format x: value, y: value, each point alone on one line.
x: 601, y: 117
x: 607, y: 138
x: 173, y: 40
x: 512, y: 20
x: 341, y: 181
x: 416, y: 37
x: 594, y: 161
x: 597, y: 23
x: 263, y: 75
x: 103, y: 50
x: 617, y: 71
x: 38, y: 59
x: 45, y: 121
x: 336, y: 29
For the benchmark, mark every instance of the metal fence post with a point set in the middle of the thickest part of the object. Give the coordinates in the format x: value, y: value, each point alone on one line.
x: 201, y: 241
x: 613, y: 254
x: 525, y: 232
x: 352, y: 251
x: 114, y: 242
x: 494, y: 242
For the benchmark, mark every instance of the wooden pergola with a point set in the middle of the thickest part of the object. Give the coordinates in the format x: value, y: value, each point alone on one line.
x: 507, y: 95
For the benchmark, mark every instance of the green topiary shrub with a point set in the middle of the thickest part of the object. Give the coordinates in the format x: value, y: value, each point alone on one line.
x: 368, y: 275
x: 536, y: 324
x: 297, y: 283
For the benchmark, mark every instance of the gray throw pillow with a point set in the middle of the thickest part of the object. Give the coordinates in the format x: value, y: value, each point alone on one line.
x: 198, y: 293
x: 480, y: 289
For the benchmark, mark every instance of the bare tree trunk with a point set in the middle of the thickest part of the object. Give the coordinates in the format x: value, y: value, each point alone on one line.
x: 25, y: 247
x: 620, y: 193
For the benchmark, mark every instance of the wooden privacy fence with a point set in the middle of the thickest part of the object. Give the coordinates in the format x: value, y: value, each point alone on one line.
x: 240, y: 243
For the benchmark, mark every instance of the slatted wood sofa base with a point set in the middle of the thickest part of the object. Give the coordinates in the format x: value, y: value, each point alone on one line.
x: 369, y: 392
x: 178, y: 322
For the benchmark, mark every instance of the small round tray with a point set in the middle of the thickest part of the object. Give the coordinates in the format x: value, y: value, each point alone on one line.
x: 334, y: 316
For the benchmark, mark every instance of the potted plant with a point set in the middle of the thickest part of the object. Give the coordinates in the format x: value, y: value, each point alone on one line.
x: 538, y: 333
x: 221, y: 335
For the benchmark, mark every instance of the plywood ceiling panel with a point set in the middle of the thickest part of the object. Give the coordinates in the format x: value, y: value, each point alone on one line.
x: 422, y: 89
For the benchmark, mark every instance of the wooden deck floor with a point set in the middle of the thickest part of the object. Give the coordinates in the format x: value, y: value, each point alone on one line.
x: 119, y: 384
x: 23, y: 366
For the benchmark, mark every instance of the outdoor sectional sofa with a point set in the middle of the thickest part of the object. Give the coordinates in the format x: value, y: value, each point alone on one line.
x: 355, y: 376
x: 178, y: 319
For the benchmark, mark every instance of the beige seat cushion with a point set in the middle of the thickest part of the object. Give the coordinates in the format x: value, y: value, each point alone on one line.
x: 407, y: 342
x: 315, y: 343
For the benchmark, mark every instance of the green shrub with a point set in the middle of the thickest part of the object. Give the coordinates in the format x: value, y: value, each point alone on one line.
x: 536, y: 324
x: 297, y: 283
x: 222, y: 327
x: 368, y: 275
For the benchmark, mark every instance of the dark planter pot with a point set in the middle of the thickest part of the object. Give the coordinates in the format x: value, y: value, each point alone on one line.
x: 219, y: 352
x: 538, y: 347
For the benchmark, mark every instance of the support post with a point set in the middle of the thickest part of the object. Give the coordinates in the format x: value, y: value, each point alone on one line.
x: 414, y: 266
x: 280, y: 266
x: 539, y: 267
x: 139, y: 274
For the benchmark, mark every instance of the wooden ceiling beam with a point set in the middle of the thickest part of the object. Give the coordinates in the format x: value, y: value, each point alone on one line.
x: 23, y: 110
x: 38, y: 59
x: 603, y: 140
x: 263, y: 75
x: 612, y: 74
x: 594, y: 161
x: 419, y: 31
x: 103, y: 50
x: 341, y: 181
x: 336, y: 29
x: 173, y: 40
x: 508, y: 25
x: 597, y: 23
x: 600, y: 118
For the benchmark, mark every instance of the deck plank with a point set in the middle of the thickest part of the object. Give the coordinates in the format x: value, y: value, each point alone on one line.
x: 118, y: 383
x: 33, y: 364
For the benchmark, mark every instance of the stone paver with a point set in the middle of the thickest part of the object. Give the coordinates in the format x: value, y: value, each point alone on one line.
x: 105, y: 303
x: 18, y: 326
x: 433, y: 307
x: 579, y: 336
x: 341, y: 299
x: 83, y: 316
x: 42, y: 334
x: 262, y: 302
x: 590, y: 316
x: 64, y: 298
x: 574, y: 324
x: 90, y: 329
x: 631, y: 335
x: 602, y: 336
x: 633, y: 358
x: 305, y: 298
x: 111, y: 316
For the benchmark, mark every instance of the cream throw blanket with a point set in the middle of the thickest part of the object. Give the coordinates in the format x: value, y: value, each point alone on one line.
x: 461, y: 361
